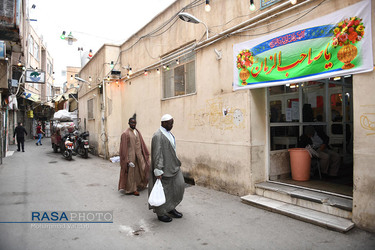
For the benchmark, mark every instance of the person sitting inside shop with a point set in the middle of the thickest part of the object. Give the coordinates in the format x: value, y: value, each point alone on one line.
x: 329, y: 160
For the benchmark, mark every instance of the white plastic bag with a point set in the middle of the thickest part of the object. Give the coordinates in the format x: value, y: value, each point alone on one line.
x: 312, y: 152
x: 115, y: 159
x: 157, y: 196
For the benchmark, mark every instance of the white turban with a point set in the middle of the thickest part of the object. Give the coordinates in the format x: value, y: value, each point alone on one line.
x: 166, y: 117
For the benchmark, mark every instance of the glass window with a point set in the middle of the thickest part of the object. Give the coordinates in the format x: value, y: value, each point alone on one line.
x: 284, y: 137
x: 179, y: 77
x: 283, y: 101
x: 313, y: 102
x: 90, y: 109
x: 325, y: 104
x: 31, y: 45
x: 36, y: 51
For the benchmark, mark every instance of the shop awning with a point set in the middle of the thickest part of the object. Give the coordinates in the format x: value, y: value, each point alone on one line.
x: 337, y: 44
x: 31, y: 96
x: 65, y: 96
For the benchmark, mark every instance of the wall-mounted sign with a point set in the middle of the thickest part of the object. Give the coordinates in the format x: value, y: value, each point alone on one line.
x: 2, y: 50
x: 267, y: 3
x: 31, y: 96
x: 34, y: 76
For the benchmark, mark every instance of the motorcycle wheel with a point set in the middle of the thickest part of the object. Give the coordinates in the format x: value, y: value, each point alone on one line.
x: 80, y: 151
x: 86, y: 154
x: 69, y: 155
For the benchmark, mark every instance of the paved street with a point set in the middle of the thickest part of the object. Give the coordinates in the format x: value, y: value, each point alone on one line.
x: 40, y: 180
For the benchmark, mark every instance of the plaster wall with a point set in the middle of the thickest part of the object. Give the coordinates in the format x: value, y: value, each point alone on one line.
x: 364, y: 144
x: 222, y: 136
x: 98, y: 68
x: 221, y: 146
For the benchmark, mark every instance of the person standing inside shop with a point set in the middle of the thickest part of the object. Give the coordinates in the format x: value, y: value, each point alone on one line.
x: 39, y: 132
x: 20, y: 131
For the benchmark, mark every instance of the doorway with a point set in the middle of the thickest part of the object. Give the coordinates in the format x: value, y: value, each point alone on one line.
x: 324, y: 104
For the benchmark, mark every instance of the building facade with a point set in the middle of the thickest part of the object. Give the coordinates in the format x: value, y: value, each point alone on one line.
x: 230, y: 140
x: 26, y: 73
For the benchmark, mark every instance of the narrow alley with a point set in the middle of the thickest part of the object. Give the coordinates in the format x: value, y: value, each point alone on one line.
x: 40, y: 180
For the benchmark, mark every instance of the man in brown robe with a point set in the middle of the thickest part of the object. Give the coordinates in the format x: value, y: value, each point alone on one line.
x: 134, y: 161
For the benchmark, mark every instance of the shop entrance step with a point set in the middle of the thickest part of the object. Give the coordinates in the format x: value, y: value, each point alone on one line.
x: 305, y: 214
x: 333, y: 204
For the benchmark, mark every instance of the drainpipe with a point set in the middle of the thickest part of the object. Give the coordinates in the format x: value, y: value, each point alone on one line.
x: 104, y: 123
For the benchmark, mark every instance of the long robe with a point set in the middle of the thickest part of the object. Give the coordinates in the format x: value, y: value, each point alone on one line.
x: 133, y: 149
x: 163, y: 157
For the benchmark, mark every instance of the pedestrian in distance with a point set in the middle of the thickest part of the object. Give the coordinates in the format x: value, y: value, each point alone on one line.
x: 165, y: 166
x: 134, y: 160
x: 39, y: 132
x: 20, y: 131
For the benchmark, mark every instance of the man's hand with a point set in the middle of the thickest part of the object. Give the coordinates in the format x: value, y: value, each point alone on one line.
x: 131, y: 164
x: 159, y: 177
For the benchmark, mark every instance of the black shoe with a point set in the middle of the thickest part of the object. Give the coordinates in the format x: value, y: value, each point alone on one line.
x: 164, y: 218
x: 175, y: 213
x: 41, y: 144
x: 18, y: 150
x: 23, y: 150
x: 36, y: 144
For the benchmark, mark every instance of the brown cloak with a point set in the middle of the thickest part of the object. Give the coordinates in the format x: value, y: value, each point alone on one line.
x: 124, y: 158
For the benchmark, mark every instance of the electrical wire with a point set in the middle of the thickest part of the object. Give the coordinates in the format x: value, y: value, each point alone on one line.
x: 173, y: 19
x: 270, y: 31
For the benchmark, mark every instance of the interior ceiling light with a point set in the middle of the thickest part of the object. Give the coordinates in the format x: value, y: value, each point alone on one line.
x: 252, y: 5
x: 293, y: 1
x: 208, y: 7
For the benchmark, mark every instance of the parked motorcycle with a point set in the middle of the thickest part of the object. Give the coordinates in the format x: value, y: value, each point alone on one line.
x: 82, y: 144
x: 67, y: 146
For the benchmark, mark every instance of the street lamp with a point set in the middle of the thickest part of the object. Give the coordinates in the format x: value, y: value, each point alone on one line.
x: 83, y: 80
x: 70, y: 38
x: 191, y: 19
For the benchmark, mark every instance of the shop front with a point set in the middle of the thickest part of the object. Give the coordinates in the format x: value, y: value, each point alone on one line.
x: 326, y: 105
x: 318, y: 76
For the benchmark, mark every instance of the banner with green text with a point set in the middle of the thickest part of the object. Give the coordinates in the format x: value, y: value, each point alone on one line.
x: 333, y: 45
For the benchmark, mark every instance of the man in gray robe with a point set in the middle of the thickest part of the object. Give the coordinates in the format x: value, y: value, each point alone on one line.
x: 166, y: 166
